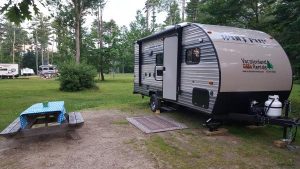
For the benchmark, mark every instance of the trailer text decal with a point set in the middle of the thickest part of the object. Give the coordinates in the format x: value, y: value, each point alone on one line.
x: 243, y: 39
x: 257, y: 65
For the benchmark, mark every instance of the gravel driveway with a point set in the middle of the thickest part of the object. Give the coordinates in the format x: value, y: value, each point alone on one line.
x: 103, y: 142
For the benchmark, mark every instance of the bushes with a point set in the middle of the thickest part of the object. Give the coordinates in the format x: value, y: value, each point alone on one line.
x: 74, y: 77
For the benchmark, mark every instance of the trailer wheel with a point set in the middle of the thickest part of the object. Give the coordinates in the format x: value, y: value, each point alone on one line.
x: 154, y: 103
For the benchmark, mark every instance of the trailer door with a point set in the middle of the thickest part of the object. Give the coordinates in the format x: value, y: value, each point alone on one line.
x: 170, y: 68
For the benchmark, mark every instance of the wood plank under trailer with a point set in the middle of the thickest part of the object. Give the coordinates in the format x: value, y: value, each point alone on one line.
x: 74, y: 120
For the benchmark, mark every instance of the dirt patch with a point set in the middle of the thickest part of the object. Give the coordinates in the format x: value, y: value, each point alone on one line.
x: 106, y: 141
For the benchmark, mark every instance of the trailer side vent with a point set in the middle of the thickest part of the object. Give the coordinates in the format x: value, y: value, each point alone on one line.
x: 200, y: 97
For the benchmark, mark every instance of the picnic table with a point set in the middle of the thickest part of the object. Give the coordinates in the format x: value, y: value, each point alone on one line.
x: 53, y: 113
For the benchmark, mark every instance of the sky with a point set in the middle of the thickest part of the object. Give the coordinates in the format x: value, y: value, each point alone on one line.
x: 123, y: 11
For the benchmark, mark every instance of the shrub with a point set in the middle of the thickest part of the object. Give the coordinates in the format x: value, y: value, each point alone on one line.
x: 76, y: 77
x: 297, y: 81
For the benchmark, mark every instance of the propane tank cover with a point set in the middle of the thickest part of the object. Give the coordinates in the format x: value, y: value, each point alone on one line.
x: 273, y: 107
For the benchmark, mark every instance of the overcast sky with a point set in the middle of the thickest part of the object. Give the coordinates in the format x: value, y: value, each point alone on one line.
x: 124, y: 11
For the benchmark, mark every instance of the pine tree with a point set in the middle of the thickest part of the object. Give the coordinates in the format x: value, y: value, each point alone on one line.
x: 192, y: 10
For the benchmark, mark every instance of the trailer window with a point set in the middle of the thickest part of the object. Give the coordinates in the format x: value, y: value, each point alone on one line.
x: 159, y: 59
x: 192, y: 56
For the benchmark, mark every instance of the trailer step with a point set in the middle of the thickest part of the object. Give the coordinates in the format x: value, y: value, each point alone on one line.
x: 167, y: 108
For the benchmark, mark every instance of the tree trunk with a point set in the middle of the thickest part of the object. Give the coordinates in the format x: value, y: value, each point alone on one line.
x: 147, y: 15
x: 42, y: 52
x: 52, y: 53
x: 183, y: 10
x: 36, y: 54
x: 48, y: 59
x: 77, y: 31
x: 153, y: 18
x: 13, y: 45
x: 100, y: 43
x: 256, y: 13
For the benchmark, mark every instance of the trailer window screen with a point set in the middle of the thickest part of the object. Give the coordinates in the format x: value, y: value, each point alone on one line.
x: 159, y: 59
x: 192, y: 56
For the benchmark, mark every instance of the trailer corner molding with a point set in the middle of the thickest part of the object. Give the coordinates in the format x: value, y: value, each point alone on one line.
x: 213, y: 69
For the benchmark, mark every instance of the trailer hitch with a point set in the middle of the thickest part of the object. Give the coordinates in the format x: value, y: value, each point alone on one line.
x: 287, y: 123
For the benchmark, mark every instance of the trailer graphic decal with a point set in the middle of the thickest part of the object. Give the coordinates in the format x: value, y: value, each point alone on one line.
x: 243, y: 39
x: 257, y: 65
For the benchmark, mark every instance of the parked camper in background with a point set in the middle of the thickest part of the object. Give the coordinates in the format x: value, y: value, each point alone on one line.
x: 27, y: 72
x: 48, y: 71
x: 9, y: 70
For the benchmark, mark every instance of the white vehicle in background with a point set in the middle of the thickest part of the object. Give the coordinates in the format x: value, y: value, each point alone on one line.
x: 27, y: 72
x: 9, y: 70
x: 48, y: 71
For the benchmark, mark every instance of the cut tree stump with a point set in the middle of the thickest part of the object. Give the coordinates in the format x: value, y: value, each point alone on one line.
x: 280, y: 143
x: 75, y: 119
x: 220, y: 131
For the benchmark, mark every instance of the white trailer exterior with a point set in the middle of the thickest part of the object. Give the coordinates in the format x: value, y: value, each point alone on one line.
x: 9, y: 70
x: 27, y: 72
x: 212, y: 69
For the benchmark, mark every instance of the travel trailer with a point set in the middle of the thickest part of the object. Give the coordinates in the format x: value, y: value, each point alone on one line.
x: 48, y: 71
x: 225, y: 72
x: 9, y: 70
x: 27, y: 72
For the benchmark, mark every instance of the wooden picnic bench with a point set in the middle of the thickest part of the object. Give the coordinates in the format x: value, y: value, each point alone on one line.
x: 73, y: 120
x: 12, y: 129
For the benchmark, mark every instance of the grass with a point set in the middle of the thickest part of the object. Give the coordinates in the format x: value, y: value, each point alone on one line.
x: 295, y: 100
x: 121, y: 122
x: 18, y: 94
x: 180, y: 149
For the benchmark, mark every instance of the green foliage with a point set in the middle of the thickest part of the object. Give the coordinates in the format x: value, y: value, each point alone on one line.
x: 76, y: 77
x: 279, y: 18
x: 43, y: 31
x: 63, y: 26
x: 173, y: 13
x: 6, y: 42
x: 28, y: 61
x: 286, y: 25
x: 297, y: 81
x: 18, y: 12
x: 192, y: 10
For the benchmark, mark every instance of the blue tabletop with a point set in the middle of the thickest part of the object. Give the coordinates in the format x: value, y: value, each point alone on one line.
x: 39, y: 108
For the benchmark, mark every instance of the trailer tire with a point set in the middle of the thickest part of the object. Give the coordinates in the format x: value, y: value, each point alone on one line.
x: 154, y: 103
